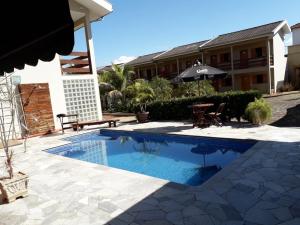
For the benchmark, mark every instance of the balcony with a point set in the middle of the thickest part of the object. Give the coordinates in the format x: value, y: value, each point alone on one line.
x: 244, y: 64
x: 78, y: 63
x: 252, y: 62
x: 224, y: 66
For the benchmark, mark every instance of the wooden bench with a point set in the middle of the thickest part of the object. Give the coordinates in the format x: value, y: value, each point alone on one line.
x: 90, y: 123
x: 61, y: 118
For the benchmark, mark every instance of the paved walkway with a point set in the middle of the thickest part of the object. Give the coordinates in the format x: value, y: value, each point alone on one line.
x: 286, y: 110
x: 260, y: 187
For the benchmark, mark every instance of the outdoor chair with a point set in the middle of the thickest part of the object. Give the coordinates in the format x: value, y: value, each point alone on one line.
x: 61, y: 118
x: 215, y: 117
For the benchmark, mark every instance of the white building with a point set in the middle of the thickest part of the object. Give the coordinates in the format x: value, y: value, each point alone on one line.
x: 66, y: 84
x: 294, y: 57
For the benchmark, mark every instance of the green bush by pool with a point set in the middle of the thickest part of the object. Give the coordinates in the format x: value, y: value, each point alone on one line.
x: 179, y: 109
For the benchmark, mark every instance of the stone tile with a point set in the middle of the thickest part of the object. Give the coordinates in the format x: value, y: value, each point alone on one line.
x: 150, y: 215
x: 107, y: 206
x: 240, y: 200
x: 157, y: 222
x: 191, y: 211
x: 141, y: 206
x: 282, y: 214
x: 169, y: 206
x: 260, y: 216
x: 231, y: 213
x: 274, y: 187
x: 243, y: 188
x: 210, y: 196
x: 233, y: 222
x: 198, y: 219
x: 175, y: 217
x: 295, y: 209
x: 266, y: 205
x: 295, y: 221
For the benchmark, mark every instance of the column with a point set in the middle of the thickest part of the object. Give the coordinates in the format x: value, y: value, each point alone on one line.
x: 92, y: 61
x: 232, y: 67
x: 89, y: 43
x: 269, y: 66
x: 178, y: 68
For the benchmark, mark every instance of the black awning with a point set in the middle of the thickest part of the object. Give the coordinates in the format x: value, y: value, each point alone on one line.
x: 33, y: 30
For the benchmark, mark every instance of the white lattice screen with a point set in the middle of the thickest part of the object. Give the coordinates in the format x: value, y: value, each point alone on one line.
x: 80, y: 98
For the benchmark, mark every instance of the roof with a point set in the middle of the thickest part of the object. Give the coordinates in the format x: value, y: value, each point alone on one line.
x: 144, y: 59
x: 295, y: 26
x: 181, y: 50
x: 104, y: 68
x: 247, y: 34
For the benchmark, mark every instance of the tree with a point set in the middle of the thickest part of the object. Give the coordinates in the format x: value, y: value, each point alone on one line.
x: 124, y: 74
x: 118, y: 78
x: 190, y: 89
x: 162, y: 88
x: 140, y: 93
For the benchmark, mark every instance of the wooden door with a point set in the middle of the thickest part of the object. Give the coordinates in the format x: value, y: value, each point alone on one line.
x: 244, y: 58
x: 37, y: 106
x: 245, y: 83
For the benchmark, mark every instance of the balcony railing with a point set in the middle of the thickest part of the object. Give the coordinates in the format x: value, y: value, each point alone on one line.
x: 244, y: 64
x: 224, y: 66
x: 78, y: 63
x: 252, y: 62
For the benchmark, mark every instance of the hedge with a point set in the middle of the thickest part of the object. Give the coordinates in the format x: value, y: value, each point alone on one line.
x: 180, y: 109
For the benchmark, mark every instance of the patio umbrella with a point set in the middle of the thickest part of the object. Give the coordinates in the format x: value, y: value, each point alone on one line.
x: 200, y: 72
x: 34, y: 30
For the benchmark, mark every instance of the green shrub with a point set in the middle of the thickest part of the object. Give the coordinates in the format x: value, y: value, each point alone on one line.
x: 258, y: 112
x: 178, y: 109
x: 162, y: 88
x: 191, y: 89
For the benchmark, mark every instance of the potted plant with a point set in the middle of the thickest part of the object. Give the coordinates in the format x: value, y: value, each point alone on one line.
x: 258, y: 112
x: 141, y: 94
x: 12, y: 185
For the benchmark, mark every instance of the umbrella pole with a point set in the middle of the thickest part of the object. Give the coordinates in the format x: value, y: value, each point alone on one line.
x: 198, y: 88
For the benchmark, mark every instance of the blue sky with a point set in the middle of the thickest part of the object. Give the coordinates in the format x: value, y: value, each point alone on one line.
x: 138, y: 27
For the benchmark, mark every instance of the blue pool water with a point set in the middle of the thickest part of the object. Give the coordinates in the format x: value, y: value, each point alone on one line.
x: 181, y: 159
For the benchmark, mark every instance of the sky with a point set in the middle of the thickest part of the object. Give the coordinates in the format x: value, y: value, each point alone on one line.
x: 138, y: 27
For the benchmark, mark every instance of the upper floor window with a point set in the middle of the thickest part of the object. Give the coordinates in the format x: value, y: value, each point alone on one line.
x: 258, y: 52
x: 225, y: 58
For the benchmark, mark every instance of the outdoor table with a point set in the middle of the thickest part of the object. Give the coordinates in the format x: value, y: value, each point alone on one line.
x: 199, y: 111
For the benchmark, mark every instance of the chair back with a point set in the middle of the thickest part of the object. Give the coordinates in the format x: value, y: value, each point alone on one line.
x: 221, y: 107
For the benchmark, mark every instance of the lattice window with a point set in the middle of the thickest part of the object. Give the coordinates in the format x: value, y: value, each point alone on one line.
x: 80, y: 98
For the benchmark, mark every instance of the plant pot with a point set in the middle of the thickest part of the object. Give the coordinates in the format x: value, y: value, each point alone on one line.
x: 142, y: 117
x: 11, y: 189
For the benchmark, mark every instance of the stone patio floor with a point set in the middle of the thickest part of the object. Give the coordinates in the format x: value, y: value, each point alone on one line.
x: 260, y: 187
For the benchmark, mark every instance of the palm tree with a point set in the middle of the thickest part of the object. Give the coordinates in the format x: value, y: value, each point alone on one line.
x: 118, y: 78
x: 124, y: 73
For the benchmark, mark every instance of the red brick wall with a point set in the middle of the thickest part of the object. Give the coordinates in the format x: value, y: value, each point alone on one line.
x: 37, y: 108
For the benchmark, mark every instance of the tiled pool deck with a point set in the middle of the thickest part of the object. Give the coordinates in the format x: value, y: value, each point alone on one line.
x: 260, y: 187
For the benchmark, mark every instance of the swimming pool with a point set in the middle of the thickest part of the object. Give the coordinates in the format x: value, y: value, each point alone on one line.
x: 181, y: 159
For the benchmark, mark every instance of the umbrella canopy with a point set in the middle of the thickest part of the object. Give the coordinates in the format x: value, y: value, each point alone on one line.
x: 201, y: 72
x: 33, y: 30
